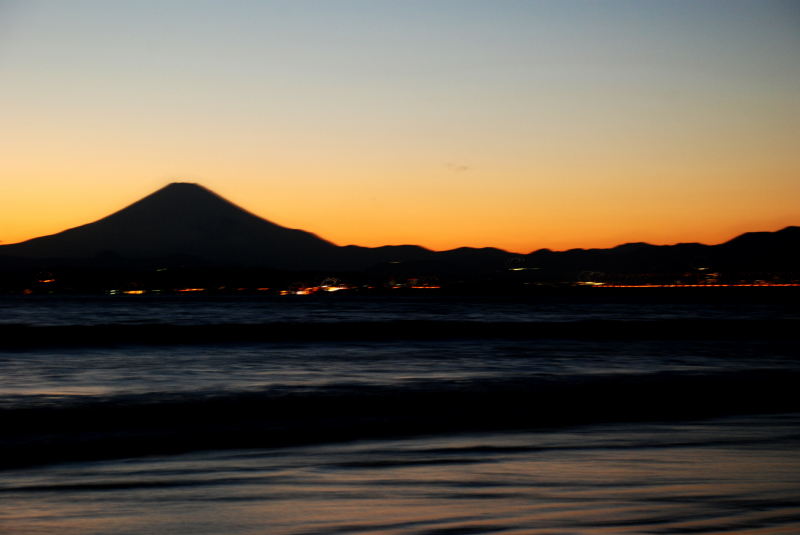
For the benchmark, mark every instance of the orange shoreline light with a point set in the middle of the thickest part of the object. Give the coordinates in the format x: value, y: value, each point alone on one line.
x: 688, y: 285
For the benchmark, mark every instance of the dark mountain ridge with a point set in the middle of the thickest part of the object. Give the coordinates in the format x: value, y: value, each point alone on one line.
x: 186, y: 224
x: 181, y: 219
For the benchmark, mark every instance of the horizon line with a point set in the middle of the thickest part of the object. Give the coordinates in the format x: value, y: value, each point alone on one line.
x: 223, y: 199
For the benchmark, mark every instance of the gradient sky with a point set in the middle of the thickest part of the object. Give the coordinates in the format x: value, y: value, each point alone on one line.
x: 518, y: 125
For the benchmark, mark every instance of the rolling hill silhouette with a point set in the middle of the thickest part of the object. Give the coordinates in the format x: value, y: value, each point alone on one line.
x: 186, y: 224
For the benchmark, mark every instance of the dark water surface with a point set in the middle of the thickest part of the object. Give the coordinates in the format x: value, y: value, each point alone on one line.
x: 728, y: 476
x: 478, y: 431
x: 205, y: 310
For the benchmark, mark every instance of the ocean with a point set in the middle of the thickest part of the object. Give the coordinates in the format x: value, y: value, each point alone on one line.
x: 398, y: 414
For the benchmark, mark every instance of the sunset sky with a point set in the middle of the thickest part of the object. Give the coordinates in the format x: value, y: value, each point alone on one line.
x: 518, y: 125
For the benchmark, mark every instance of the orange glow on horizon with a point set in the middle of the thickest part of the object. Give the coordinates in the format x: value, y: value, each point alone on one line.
x: 603, y: 285
x: 519, y: 129
x: 488, y: 224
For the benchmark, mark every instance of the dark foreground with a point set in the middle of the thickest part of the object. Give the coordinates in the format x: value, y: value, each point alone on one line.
x: 437, y: 415
x: 735, y: 475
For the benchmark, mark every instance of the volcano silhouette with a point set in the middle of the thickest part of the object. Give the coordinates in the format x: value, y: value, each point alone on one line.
x: 189, y: 220
x: 190, y: 225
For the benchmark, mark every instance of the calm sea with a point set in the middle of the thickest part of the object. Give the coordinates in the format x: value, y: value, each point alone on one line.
x: 406, y: 415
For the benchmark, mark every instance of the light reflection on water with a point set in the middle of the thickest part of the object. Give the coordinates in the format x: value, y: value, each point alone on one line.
x: 145, y: 370
x: 736, y: 475
x: 202, y: 310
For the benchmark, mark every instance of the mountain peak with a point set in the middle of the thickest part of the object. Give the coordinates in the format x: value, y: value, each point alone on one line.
x: 183, y: 219
x: 186, y: 190
x: 180, y: 203
x: 184, y: 187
